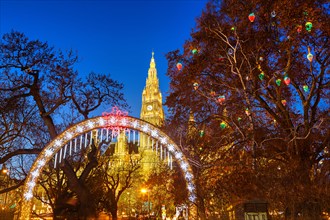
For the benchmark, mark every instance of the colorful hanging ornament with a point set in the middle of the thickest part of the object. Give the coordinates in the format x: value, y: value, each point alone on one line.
x: 223, y: 125
x: 221, y: 99
x: 261, y: 59
x: 201, y: 133
x: 299, y: 28
x: 273, y: 14
x: 261, y: 75
x: 212, y: 93
x: 233, y: 28
x: 230, y: 51
x: 287, y: 80
x: 308, y: 26
x: 309, y: 55
x: 194, y: 51
x: 252, y: 17
x: 247, y: 111
x: 283, y: 102
x: 179, y: 66
x: 196, y: 85
x: 305, y: 87
x: 278, y: 82
x: 221, y: 58
x: 239, y: 119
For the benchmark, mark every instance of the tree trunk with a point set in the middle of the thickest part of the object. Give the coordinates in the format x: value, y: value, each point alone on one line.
x: 113, y: 211
x: 305, y: 207
x: 304, y: 211
x: 87, y: 209
x: 201, y: 209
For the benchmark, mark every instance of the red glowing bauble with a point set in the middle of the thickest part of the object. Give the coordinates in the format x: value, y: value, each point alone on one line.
x: 221, y: 58
x: 196, y: 85
x: 299, y: 28
x: 221, y: 99
x: 179, y: 66
x: 252, y: 17
x: 287, y: 80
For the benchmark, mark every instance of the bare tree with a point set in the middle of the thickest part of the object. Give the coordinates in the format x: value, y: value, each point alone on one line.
x: 37, y: 84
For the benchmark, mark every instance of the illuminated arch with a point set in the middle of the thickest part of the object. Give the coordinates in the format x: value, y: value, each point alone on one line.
x: 96, y: 123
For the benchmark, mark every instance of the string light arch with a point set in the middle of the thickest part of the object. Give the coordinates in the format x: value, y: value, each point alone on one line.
x: 108, y: 121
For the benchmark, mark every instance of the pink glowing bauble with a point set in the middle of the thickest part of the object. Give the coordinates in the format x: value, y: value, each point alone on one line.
x: 299, y: 28
x: 247, y: 112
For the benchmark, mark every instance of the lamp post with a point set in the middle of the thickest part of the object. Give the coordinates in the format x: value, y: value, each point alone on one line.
x: 5, y: 171
x: 144, y: 191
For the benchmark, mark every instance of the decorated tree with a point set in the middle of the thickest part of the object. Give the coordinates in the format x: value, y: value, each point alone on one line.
x: 254, y: 80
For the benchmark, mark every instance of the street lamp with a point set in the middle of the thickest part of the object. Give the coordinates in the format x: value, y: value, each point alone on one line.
x: 5, y: 171
x: 144, y: 191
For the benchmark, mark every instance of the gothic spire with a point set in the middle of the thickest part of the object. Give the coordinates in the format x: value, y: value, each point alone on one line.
x: 152, y: 72
x: 152, y: 61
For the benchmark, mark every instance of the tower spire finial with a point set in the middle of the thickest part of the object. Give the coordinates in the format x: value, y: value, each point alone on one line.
x: 152, y: 62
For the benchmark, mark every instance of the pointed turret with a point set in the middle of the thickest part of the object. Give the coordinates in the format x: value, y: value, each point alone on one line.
x: 152, y: 61
x: 152, y: 107
x: 152, y: 72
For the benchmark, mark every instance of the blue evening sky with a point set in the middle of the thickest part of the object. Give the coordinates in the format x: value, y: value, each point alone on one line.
x: 111, y: 37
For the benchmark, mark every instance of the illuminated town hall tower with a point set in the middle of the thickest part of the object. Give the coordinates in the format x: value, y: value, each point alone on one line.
x: 152, y: 107
x: 152, y: 112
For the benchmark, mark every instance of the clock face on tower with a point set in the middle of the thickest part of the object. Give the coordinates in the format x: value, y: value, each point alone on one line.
x: 149, y: 107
